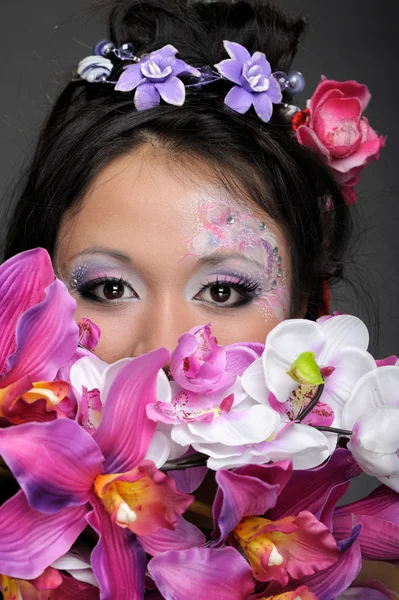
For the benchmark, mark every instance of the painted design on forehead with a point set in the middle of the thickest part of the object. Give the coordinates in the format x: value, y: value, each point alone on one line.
x: 221, y: 227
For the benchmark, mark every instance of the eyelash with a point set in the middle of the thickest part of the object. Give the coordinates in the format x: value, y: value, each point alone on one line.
x: 86, y: 289
x: 247, y: 287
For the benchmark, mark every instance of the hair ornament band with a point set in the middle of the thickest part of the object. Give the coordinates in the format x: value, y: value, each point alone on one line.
x: 157, y: 75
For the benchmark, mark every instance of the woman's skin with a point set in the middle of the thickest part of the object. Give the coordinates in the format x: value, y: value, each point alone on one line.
x: 149, y: 220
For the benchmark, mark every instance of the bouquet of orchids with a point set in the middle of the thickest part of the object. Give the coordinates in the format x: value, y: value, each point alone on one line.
x: 220, y: 481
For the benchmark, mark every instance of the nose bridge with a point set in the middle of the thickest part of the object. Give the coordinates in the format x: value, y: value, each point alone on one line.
x: 160, y: 324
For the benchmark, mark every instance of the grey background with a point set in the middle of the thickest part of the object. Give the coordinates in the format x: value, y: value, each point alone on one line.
x: 41, y: 42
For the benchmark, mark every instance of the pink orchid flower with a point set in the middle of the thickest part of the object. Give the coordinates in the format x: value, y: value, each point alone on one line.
x: 100, y: 479
x: 199, y: 364
x: 334, y: 128
x: 37, y: 336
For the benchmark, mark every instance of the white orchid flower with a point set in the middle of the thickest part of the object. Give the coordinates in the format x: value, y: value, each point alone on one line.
x: 372, y: 412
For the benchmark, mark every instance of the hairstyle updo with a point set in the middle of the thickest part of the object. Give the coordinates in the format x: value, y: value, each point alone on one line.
x: 91, y: 124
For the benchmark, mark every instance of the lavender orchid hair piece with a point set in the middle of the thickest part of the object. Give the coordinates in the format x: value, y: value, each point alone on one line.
x: 157, y: 75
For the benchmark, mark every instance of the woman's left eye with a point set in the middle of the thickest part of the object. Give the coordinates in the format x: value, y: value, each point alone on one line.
x: 228, y: 295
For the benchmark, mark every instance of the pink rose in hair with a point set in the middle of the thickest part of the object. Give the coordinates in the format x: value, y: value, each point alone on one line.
x: 198, y: 363
x: 334, y: 128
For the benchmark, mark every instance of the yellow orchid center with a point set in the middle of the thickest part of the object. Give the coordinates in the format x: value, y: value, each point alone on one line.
x: 123, y: 500
x: 305, y: 370
x: 260, y: 548
x: 10, y: 588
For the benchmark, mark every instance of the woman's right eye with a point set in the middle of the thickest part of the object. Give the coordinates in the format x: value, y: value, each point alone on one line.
x: 107, y: 290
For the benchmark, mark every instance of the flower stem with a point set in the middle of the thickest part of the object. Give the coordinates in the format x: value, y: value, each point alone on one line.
x: 185, y: 462
x: 312, y: 403
x: 343, y: 432
x: 201, y: 508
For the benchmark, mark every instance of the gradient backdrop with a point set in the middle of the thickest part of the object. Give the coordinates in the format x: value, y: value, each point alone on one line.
x: 41, y: 41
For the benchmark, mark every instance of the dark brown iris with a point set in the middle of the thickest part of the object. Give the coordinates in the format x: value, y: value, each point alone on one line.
x: 220, y: 293
x: 113, y: 290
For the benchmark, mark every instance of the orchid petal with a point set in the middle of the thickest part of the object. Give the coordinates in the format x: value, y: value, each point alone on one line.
x: 158, y: 450
x: 236, y: 51
x: 230, y: 69
x: 240, y: 356
x: 30, y: 541
x: 172, y: 91
x: 188, y: 480
x: 125, y: 432
x: 23, y: 280
x: 253, y: 425
x: 182, y: 68
x: 47, y: 337
x: 71, y: 589
x: 246, y: 491
x: 130, y: 78
x: 254, y: 383
x: 330, y: 582
x: 305, y: 446
x: 382, y: 502
x: 310, y: 490
x: 185, y: 536
x: 263, y: 106
x: 118, y: 560
x: 146, y: 96
x: 239, y: 99
x: 374, y: 390
x: 67, y: 462
x: 378, y: 538
x: 200, y: 571
x: 284, y: 344
x: 341, y: 331
x: 77, y: 567
x: 87, y: 372
x: 350, y: 365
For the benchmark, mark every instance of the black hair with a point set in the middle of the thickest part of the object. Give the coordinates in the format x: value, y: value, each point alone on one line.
x: 91, y: 124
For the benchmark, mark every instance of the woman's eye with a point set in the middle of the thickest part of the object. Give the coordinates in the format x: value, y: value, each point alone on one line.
x: 108, y: 291
x: 223, y: 294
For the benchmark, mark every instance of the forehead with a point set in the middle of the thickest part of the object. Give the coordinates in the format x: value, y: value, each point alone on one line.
x: 146, y: 199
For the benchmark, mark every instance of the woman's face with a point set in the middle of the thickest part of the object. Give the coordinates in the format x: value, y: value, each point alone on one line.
x: 155, y: 251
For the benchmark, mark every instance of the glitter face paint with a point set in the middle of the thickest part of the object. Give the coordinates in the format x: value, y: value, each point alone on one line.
x: 221, y: 228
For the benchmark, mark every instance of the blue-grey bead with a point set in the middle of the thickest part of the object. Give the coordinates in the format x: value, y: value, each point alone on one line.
x: 104, y: 48
x: 296, y: 82
x: 282, y: 79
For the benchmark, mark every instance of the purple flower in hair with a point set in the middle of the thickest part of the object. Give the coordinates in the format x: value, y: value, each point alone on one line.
x: 156, y: 76
x: 254, y: 81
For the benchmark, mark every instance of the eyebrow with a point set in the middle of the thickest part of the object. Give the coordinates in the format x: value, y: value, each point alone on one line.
x: 217, y: 259
x: 121, y: 256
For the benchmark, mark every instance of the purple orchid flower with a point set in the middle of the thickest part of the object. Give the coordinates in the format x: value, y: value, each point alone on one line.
x: 156, y: 77
x: 37, y: 332
x: 79, y: 478
x: 255, y: 84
